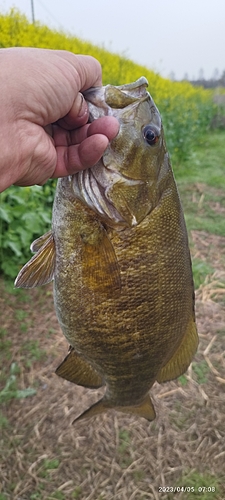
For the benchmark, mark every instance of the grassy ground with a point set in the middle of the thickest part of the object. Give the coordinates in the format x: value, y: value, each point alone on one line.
x: 114, y: 456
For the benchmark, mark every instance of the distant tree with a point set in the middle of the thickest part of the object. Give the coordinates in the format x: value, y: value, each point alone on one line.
x: 201, y: 74
x: 210, y: 83
x: 215, y: 75
x: 185, y: 77
x: 222, y: 79
x: 172, y: 76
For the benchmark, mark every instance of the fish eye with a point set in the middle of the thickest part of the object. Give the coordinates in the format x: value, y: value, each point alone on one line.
x: 151, y: 134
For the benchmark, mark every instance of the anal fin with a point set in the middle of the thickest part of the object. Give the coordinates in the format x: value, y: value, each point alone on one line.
x: 182, y: 358
x: 75, y: 369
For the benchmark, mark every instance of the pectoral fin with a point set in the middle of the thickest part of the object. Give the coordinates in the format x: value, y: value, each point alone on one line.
x: 39, y: 242
x: 182, y: 358
x: 77, y: 370
x: 100, y: 269
x: 40, y: 269
x: 145, y: 409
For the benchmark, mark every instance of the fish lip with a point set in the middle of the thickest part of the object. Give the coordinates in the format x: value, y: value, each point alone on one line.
x: 93, y: 92
x: 138, y: 84
x: 96, y: 98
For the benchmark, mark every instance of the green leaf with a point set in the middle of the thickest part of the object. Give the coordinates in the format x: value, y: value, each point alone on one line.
x: 5, y: 214
x: 15, y: 247
x: 25, y: 236
x: 32, y: 221
x: 25, y: 393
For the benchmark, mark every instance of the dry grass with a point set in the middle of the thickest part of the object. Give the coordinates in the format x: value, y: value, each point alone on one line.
x: 113, y: 456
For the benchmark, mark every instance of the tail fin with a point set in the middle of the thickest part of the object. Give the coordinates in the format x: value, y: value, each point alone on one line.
x: 145, y: 409
x: 95, y: 409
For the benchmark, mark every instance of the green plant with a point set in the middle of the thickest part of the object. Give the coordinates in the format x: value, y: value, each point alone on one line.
x: 51, y: 464
x: 32, y: 351
x: 185, y: 121
x: 58, y: 495
x: 10, y: 390
x: 77, y: 492
x: 5, y: 344
x: 201, y: 371
x: 47, y: 466
x: 38, y: 495
x: 3, y: 423
x: 200, y: 485
x: 124, y: 448
x: 183, y: 380
x: 25, y: 214
x: 138, y: 475
x: 200, y: 270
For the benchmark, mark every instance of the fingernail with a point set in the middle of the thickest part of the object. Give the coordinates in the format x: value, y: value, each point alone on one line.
x: 83, y: 110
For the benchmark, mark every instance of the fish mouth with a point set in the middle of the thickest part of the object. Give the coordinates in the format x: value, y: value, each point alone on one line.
x: 93, y: 185
x: 108, y: 100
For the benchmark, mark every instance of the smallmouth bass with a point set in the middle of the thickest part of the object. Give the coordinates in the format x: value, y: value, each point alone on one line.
x: 118, y: 251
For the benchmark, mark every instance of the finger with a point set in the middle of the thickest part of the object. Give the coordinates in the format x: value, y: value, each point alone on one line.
x: 106, y: 125
x: 77, y: 116
x: 64, y: 137
x: 78, y: 157
x: 88, y: 69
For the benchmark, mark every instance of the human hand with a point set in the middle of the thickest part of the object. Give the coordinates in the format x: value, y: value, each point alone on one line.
x: 43, y: 127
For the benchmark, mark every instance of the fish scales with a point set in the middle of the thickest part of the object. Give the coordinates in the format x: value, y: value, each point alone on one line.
x: 123, y: 286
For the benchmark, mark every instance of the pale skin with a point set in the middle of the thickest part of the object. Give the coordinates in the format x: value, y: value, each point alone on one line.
x: 44, y: 129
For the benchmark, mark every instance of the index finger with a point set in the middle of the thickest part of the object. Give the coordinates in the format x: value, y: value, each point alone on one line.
x: 89, y: 70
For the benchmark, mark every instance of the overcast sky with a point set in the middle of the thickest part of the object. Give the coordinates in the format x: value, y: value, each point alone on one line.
x: 180, y: 36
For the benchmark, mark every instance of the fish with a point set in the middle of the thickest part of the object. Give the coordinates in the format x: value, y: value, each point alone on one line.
x: 119, y: 258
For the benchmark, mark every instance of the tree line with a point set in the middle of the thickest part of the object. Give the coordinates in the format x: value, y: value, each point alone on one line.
x: 217, y: 80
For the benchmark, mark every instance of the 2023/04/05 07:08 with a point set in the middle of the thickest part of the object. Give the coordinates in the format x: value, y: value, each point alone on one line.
x: 186, y: 489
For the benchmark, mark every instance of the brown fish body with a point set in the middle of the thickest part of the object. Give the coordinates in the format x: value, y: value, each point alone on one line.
x: 123, y: 285
x: 127, y: 338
